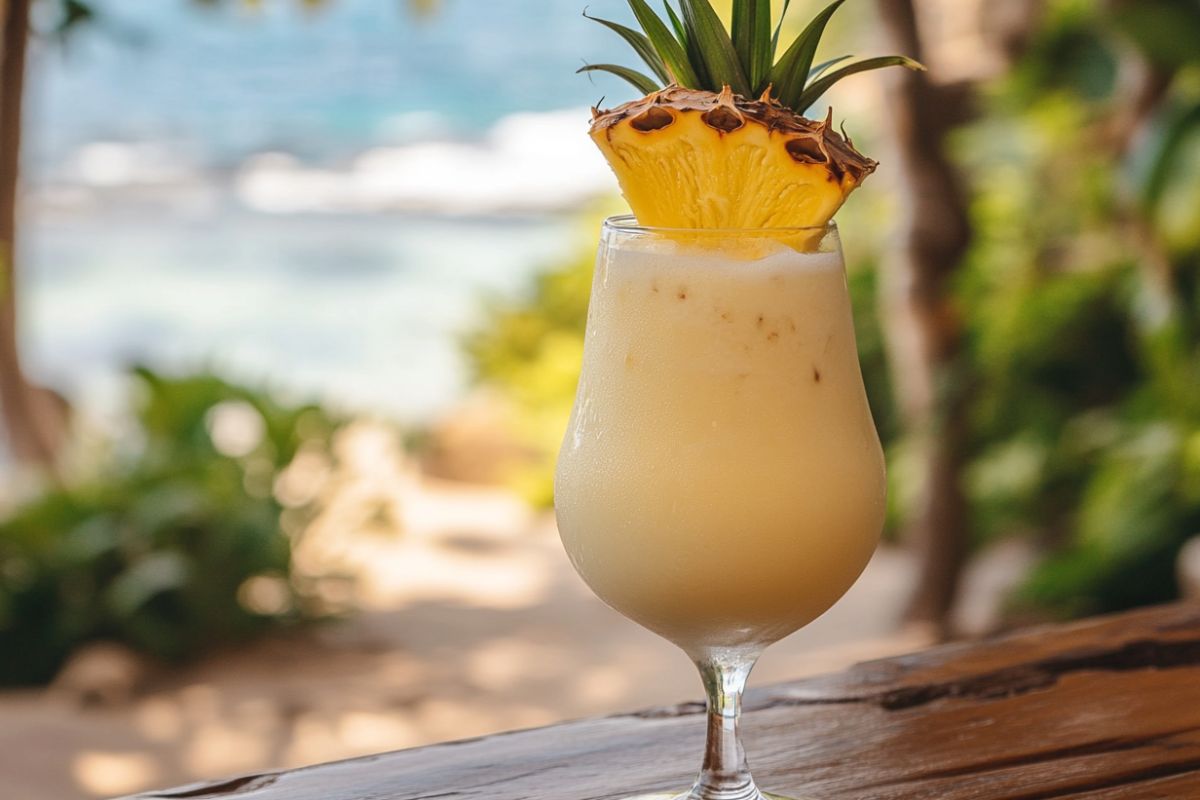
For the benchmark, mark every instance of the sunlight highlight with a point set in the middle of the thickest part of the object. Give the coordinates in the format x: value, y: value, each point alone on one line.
x: 106, y: 773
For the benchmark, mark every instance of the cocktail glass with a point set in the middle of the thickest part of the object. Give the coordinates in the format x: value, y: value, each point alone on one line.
x: 721, y: 481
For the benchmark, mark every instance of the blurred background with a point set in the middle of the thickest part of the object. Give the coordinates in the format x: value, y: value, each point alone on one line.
x: 291, y: 310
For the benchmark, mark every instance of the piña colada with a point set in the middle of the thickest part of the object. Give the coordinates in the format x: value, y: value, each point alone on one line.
x: 721, y: 481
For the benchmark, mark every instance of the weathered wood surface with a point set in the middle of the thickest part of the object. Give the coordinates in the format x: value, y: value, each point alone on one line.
x: 1099, y: 710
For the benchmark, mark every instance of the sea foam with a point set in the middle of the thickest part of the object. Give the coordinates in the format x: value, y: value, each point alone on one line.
x: 526, y: 162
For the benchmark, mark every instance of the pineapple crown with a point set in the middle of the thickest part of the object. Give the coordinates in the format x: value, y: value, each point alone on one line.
x: 697, y: 52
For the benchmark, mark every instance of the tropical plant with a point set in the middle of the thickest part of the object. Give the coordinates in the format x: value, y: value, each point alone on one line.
x: 1085, y: 295
x: 174, y: 544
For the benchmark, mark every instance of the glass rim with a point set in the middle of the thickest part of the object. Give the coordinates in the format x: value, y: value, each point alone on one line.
x: 627, y: 223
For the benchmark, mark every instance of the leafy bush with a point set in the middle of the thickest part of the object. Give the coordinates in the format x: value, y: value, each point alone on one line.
x: 530, y: 349
x: 1084, y: 317
x: 173, y: 546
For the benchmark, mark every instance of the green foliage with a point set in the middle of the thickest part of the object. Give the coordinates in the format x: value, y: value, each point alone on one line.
x: 751, y: 31
x: 159, y: 548
x: 791, y: 73
x: 531, y: 350
x: 863, y: 279
x: 711, y: 48
x: 1084, y: 320
x: 697, y: 52
x: 641, y: 45
x: 1139, y: 505
x: 644, y: 83
x: 1166, y: 30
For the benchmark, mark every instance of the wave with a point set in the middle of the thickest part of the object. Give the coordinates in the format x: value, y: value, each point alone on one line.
x: 526, y: 162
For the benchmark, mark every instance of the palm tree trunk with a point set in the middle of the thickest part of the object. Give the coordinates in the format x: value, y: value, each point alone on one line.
x: 925, y: 336
x: 30, y: 421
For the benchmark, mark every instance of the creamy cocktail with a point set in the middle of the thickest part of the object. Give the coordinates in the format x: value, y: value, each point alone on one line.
x: 721, y: 481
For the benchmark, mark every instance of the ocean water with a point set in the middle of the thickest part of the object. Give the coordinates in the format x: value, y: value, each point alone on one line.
x: 314, y: 201
x: 229, y: 82
x: 352, y: 310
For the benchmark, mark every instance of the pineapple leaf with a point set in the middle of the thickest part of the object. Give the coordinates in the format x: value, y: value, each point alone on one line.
x: 713, y: 47
x: 819, y: 69
x: 779, y: 29
x: 702, y: 54
x: 676, y: 23
x: 791, y: 72
x: 696, y: 58
x: 640, y: 44
x: 668, y: 46
x: 819, y: 87
x: 644, y: 83
x: 752, y: 39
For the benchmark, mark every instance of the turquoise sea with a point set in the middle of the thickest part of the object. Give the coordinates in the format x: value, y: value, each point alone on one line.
x: 314, y: 200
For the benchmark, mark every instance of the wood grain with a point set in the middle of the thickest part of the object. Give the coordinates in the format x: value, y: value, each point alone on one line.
x: 1098, y: 710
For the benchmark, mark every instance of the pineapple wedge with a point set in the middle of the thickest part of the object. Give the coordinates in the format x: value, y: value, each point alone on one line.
x: 697, y: 153
x: 694, y: 159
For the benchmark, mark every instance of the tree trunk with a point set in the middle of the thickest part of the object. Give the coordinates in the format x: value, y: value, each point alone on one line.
x: 924, y: 333
x: 31, y: 420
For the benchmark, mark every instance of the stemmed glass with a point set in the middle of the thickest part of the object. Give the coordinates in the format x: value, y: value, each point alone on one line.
x: 721, y: 481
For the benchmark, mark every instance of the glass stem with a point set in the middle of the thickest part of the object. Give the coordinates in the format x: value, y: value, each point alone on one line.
x: 725, y: 774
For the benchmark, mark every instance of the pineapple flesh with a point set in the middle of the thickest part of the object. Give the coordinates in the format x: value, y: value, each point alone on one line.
x: 695, y: 159
x: 698, y: 153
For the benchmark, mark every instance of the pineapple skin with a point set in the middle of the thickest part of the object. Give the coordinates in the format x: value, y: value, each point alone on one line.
x: 701, y: 160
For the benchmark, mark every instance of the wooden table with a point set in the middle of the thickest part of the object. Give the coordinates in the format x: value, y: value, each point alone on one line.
x: 1103, y: 709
